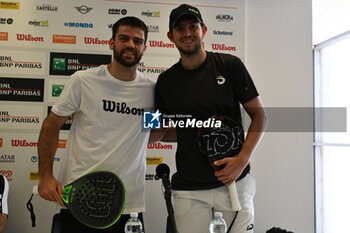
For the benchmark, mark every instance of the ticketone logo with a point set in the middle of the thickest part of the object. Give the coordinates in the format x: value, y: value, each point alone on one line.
x: 29, y: 37
x: 64, y: 39
x: 90, y: 40
x: 160, y: 44
x: 223, y: 47
x: 4, y: 36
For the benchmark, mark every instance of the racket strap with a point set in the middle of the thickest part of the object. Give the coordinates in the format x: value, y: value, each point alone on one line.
x: 234, y: 218
x: 31, y: 210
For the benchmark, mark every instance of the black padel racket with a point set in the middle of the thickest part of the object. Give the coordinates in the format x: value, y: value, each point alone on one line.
x: 97, y: 199
x: 220, y: 142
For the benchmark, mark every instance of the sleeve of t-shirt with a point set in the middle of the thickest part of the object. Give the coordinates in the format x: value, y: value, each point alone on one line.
x: 242, y: 83
x: 4, y: 190
x: 158, y: 103
x: 70, y: 99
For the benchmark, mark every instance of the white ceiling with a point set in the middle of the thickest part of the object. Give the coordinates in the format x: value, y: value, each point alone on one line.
x: 330, y: 18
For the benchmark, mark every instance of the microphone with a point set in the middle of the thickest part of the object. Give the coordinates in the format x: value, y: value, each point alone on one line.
x: 162, y: 172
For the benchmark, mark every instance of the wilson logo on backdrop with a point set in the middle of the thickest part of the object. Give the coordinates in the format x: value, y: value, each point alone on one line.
x: 95, y: 41
x: 29, y: 37
x: 160, y: 44
x: 223, y: 47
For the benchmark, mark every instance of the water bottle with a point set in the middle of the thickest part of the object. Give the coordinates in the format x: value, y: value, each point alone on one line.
x: 217, y: 224
x: 133, y: 225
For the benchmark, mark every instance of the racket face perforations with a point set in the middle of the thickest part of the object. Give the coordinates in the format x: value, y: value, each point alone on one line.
x: 225, y: 141
x: 97, y: 200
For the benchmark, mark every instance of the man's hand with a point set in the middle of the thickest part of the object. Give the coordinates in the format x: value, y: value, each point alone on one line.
x: 51, y: 189
x: 233, y: 168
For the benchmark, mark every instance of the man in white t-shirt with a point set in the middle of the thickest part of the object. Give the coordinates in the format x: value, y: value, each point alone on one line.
x: 107, y: 104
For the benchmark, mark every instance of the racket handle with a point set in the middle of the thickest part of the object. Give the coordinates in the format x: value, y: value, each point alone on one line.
x: 236, y: 206
x: 35, y: 190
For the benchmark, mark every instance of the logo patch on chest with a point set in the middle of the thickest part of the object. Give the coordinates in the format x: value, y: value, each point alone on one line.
x: 220, y: 79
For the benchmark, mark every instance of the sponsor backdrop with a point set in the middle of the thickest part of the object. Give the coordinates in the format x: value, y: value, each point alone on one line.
x: 43, y: 42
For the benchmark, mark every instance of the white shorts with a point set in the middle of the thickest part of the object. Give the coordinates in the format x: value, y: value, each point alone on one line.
x: 193, y: 210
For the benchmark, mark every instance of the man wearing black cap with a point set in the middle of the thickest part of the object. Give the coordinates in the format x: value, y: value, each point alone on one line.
x: 203, y: 84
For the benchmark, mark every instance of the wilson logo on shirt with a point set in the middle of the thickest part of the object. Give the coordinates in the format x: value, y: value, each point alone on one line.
x: 123, y: 108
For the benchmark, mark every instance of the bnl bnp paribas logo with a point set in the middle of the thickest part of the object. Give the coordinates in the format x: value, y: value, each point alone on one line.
x: 151, y: 120
x: 59, y: 64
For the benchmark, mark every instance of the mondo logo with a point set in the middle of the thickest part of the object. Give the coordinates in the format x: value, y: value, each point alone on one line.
x: 78, y: 25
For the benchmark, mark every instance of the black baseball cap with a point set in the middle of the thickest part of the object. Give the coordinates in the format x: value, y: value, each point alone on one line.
x: 182, y: 10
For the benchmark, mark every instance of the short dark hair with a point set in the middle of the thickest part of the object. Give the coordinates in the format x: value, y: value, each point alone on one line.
x: 130, y: 21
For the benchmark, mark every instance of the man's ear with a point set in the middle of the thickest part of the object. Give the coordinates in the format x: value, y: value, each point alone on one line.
x: 170, y: 36
x: 204, y: 29
x: 111, y: 44
x: 144, y: 49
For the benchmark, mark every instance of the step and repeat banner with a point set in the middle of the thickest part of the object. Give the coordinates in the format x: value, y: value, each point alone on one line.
x: 43, y: 42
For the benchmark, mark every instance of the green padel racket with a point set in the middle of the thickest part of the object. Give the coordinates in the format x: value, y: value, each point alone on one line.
x: 96, y: 199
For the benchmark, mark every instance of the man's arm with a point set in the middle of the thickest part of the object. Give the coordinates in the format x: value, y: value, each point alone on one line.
x: 3, y: 219
x: 234, y: 166
x: 164, y: 135
x: 49, y: 188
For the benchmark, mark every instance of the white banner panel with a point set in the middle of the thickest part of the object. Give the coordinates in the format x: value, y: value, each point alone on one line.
x: 22, y: 62
x: 21, y: 117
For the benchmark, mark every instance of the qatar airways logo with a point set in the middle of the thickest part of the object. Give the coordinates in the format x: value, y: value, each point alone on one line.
x: 223, y: 47
x: 29, y: 37
x: 95, y: 41
x: 160, y: 44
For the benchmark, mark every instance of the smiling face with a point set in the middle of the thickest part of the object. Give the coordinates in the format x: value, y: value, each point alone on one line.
x: 188, y: 36
x: 128, y: 45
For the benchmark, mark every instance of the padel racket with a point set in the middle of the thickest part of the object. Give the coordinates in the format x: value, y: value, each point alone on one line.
x: 220, y: 142
x: 97, y: 199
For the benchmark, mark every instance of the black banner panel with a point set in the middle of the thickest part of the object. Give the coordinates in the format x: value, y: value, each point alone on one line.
x: 22, y: 89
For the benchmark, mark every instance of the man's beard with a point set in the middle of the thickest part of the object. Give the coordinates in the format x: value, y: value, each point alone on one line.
x: 190, y: 52
x: 119, y: 58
